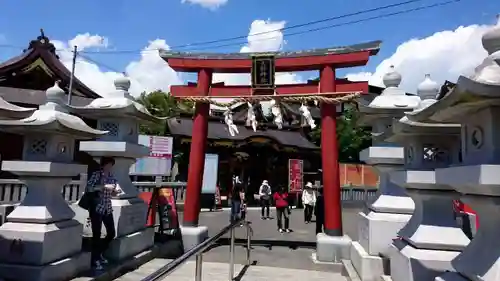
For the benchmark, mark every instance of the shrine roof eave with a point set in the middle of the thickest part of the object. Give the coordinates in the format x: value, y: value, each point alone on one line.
x: 306, y: 60
x: 28, y: 57
x: 218, y: 131
x: 34, y: 97
x: 466, y: 98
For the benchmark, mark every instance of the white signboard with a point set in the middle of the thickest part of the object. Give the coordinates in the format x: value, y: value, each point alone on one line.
x: 159, y: 161
x: 210, y: 173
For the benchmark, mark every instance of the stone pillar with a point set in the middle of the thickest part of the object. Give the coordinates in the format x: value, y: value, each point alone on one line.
x: 331, y: 246
x: 432, y: 238
x: 41, y: 240
x: 192, y: 233
x: 392, y: 209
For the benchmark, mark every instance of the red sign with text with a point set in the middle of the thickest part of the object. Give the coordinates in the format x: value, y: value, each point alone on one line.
x: 295, y: 175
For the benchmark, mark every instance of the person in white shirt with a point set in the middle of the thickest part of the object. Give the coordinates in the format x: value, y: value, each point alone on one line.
x: 265, y: 199
x: 309, y: 200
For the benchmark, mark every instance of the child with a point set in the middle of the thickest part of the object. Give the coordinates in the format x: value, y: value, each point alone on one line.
x: 243, y: 210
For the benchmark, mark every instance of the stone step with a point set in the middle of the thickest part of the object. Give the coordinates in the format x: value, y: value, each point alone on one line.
x: 220, y: 271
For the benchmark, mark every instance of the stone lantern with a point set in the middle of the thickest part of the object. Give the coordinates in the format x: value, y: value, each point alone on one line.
x: 474, y: 103
x: 432, y: 238
x: 41, y: 240
x: 120, y: 114
x: 392, y: 208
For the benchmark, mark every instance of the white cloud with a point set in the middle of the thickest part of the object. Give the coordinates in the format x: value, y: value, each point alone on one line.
x: 445, y: 55
x: 149, y: 73
x: 264, y: 36
x: 209, y: 4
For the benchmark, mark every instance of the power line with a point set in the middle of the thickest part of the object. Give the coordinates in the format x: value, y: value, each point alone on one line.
x: 87, y: 58
x: 100, y: 64
x: 10, y: 46
x: 335, y: 25
x: 269, y: 31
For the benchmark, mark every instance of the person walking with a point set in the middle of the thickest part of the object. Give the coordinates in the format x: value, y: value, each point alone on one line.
x: 265, y: 199
x: 309, y: 201
x: 282, y: 210
x: 243, y: 211
x: 236, y: 202
x: 103, y: 185
x: 319, y: 212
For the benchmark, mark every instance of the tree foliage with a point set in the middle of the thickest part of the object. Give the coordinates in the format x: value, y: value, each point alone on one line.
x: 161, y: 104
x: 352, y: 138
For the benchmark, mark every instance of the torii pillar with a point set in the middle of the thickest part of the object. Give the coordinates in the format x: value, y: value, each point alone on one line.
x: 192, y: 233
x: 330, y: 156
x: 332, y: 245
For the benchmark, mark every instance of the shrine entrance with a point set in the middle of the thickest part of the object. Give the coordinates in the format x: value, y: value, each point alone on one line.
x: 326, y: 93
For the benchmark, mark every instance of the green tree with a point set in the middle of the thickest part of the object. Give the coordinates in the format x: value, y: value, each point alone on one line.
x: 351, y: 137
x: 161, y: 104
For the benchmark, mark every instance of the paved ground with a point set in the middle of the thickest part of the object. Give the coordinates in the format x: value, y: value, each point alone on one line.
x: 220, y: 271
x: 266, y: 230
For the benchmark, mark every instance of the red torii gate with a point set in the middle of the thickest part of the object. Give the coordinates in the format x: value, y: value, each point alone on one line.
x: 325, y: 60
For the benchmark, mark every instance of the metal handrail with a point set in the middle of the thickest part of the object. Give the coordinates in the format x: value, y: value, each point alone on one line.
x: 198, y: 252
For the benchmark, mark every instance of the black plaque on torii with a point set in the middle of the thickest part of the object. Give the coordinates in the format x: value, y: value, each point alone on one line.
x: 263, y: 72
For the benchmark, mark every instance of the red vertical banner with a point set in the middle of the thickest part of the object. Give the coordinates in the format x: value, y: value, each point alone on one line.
x: 295, y: 175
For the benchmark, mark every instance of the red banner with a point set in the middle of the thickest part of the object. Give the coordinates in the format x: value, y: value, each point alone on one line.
x: 295, y: 175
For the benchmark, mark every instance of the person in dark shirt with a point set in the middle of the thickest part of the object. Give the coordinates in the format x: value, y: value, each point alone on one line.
x: 319, y: 212
x: 236, y: 201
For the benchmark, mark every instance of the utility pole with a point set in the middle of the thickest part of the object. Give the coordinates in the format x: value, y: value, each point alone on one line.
x: 72, y: 77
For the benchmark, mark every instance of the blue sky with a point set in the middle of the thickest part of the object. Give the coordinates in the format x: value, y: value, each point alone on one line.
x: 130, y: 25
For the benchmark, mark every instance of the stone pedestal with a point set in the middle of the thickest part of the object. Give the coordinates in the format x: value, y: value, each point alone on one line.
x: 332, y: 248
x: 431, y: 239
x: 385, y: 217
x: 40, y: 240
x: 391, y: 210
x: 480, y: 260
x: 193, y: 235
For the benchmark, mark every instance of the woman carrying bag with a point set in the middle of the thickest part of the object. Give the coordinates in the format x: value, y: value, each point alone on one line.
x: 101, y: 187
